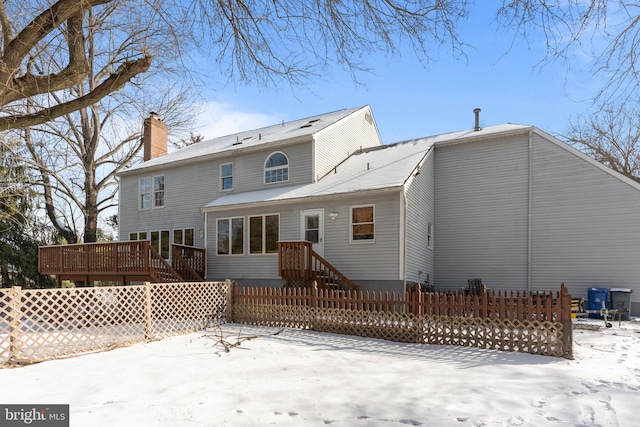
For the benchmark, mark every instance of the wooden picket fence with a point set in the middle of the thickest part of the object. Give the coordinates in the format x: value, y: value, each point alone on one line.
x: 42, y: 324
x: 536, y: 323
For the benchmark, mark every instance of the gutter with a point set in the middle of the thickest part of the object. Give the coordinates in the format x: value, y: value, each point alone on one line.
x: 297, y: 199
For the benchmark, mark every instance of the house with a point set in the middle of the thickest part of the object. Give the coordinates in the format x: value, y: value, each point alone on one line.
x: 510, y: 204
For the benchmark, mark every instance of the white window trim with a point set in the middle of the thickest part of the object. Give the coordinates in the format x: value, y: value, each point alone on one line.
x: 429, y: 235
x: 264, y: 233
x: 244, y: 226
x: 153, y: 192
x: 150, y: 193
x: 265, y: 168
x: 361, y: 242
x: 222, y: 177
x: 137, y: 233
x: 159, y: 250
x: 173, y: 240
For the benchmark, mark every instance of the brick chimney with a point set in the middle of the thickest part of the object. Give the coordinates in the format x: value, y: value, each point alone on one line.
x: 154, y: 137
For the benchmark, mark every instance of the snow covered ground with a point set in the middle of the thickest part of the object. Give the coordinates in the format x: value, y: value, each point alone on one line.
x: 303, y: 378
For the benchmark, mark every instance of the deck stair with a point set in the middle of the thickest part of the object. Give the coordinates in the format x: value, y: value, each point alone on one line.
x: 299, y: 265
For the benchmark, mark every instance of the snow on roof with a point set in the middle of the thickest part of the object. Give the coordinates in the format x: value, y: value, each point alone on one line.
x: 473, y: 134
x: 384, y: 167
x: 255, y: 137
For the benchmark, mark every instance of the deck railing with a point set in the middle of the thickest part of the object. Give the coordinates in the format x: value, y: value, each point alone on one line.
x: 300, y: 266
x: 106, y: 261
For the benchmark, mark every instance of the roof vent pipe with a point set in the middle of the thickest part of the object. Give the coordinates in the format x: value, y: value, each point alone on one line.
x: 476, y: 111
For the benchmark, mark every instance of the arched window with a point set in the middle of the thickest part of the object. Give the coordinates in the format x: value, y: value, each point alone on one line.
x: 276, y: 168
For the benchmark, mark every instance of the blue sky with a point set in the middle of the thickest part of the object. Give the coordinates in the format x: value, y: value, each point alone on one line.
x: 411, y: 100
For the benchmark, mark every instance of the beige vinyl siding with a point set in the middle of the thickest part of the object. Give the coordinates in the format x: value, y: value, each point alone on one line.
x: 182, y: 198
x: 367, y: 261
x: 379, y: 260
x: 248, y: 168
x: 586, y: 224
x: 481, y: 213
x: 191, y: 186
x: 420, y: 197
x: 337, y: 142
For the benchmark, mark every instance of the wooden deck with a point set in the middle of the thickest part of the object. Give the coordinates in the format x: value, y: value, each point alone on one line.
x: 124, y: 262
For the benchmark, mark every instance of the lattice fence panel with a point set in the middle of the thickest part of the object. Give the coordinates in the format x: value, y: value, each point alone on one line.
x: 44, y: 324
x: 5, y: 309
x: 179, y: 308
x: 277, y: 315
x: 524, y: 336
x: 400, y: 327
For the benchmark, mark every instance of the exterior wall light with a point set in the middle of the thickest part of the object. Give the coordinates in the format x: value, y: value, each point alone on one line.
x: 333, y: 215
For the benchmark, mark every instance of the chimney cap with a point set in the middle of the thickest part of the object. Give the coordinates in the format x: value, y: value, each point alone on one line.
x: 154, y: 115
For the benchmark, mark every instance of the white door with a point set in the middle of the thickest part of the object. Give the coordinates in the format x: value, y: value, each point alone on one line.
x: 312, y: 228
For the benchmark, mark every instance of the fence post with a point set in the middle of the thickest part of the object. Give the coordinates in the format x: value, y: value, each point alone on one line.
x: 564, y: 305
x: 14, y: 323
x: 147, y: 311
x: 231, y: 290
x: 314, y: 309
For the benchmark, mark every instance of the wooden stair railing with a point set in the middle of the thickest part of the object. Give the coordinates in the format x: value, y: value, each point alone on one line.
x: 300, y: 265
x: 188, y: 261
x: 160, y: 269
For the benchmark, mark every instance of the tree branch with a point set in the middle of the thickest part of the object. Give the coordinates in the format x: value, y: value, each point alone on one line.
x: 123, y: 74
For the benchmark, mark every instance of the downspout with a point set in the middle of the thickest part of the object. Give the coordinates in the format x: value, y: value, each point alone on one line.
x: 403, y: 238
x: 529, y: 209
x: 205, y: 243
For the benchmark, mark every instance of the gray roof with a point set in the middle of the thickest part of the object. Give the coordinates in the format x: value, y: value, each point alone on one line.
x: 379, y: 168
x: 250, y: 138
x: 385, y: 167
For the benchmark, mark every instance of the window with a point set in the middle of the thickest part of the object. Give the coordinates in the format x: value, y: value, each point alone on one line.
x: 362, y: 223
x: 145, y: 193
x: 142, y: 235
x: 264, y: 233
x: 158, y: 191
x: 160, y: 242
x: 226, y: 176
x: 429, y: 235
x: 230, y: 236
x: 184, y: 236
x: 276, y: 168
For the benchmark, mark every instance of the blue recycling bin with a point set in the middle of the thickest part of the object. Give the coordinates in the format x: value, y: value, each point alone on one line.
x: 597, y: 297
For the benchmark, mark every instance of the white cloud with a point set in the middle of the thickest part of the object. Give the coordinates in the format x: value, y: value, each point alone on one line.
x: 220, y: 119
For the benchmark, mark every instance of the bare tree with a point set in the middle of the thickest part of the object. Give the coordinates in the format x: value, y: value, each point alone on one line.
x: 273, y: 40
x: 262, y: 40
x: 40, y: 31
x: 611, y: 136
x: 73, y: 70
x: 76, y: 157
x: 606, y: 31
